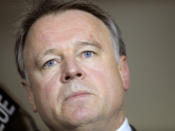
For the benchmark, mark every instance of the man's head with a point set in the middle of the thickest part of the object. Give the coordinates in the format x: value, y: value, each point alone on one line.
x: 73, y: 64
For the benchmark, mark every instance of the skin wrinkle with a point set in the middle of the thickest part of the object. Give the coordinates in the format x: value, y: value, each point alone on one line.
x: 55, y: 53
x: 49, y: 35
x: 100, y: 74
x: 113, y: 32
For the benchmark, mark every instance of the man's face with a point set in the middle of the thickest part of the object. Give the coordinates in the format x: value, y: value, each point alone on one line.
x: 73, y: 73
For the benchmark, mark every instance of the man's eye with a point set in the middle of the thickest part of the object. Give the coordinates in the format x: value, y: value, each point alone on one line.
x: 88, y: 54
x: 50, y: 63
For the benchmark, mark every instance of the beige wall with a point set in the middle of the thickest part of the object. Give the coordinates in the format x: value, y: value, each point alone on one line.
x: 148, y: 28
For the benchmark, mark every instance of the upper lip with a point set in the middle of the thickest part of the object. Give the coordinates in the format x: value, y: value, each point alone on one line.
x: 76, y: 94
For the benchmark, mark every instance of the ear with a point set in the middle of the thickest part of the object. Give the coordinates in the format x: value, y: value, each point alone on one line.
x: 124, y: 72
x: 29, y: 93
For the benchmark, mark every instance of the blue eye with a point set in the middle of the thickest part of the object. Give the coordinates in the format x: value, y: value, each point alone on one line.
x: 88, y: 54
x: 50, y: 63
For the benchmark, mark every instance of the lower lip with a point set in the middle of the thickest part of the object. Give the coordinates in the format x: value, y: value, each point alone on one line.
x: 77, y: 96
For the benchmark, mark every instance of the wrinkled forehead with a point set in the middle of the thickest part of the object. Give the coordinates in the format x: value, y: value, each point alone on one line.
x: 71, y: 21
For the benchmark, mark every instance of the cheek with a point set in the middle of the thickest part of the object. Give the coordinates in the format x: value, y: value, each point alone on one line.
x: 95, y: 73
x: 106, y: 79
x: 99, y: 76
x: 47, y: 89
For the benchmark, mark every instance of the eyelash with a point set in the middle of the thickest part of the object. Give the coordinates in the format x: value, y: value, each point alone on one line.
x: 88, y: 52
x: 45, y: 64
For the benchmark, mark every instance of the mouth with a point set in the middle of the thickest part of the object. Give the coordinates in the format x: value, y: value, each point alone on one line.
x: 77, y: 95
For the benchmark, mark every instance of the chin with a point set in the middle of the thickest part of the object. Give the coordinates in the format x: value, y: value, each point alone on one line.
x: 81, y: 115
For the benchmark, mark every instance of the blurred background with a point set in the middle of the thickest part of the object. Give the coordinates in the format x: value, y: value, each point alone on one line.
x: 148, y: 28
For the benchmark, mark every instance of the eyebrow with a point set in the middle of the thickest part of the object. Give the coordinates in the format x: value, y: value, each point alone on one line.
x: 78, y: 44
x: 91, y: 43
x: 49, y: 51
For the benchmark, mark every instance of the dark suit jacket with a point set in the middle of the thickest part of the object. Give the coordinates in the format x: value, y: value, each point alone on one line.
x: 132, y: 128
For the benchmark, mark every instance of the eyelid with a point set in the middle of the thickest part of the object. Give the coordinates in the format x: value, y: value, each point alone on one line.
x: 57, y: 59
x: 88, y: 51
x: 87, y: 48
x: 48, y: 61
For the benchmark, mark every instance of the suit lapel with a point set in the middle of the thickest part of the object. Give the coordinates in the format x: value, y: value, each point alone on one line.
x: 133, y: 128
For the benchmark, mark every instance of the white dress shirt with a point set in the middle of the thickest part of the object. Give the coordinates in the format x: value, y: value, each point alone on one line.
x: 125, y: 126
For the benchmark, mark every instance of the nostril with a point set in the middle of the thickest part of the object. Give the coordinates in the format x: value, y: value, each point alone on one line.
x: 79, y: 74
x: 72, y: 76
x: 67, y: 78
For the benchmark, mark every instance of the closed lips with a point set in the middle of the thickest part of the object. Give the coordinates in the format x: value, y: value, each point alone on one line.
x: 77, y: 94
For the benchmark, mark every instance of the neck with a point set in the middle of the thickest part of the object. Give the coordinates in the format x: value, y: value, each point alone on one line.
x: 107, y: 124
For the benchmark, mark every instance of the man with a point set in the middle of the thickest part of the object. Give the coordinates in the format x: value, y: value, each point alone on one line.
x: 73, y: 65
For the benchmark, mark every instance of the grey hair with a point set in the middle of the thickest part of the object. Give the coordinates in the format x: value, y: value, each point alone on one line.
x: 41, y: 8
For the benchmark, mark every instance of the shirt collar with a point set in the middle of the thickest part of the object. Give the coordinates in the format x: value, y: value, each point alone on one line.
x: 125, y: 126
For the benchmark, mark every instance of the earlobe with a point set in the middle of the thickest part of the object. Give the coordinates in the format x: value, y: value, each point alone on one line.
x: 124, y: 71
x: 29, y: 93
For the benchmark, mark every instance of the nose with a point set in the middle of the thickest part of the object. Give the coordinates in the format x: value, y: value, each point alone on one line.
x: 71, y: 71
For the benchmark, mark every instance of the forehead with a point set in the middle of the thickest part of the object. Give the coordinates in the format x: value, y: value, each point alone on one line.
x: 66, y: 27
x: 63, y: 21
x: 66, y: 19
